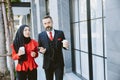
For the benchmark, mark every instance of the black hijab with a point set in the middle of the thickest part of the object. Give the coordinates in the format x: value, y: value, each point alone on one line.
x: 20, y: 40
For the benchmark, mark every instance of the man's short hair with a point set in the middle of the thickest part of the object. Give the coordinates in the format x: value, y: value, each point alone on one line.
x: 47, y: 16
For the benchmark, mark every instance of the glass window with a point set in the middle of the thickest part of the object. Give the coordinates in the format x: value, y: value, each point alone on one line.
x: 80, y: 38
x: 97, y: 36
x: 96, y: 8
x: 75, y: 11
x: 84, y: 65
x: 98, y: 68
x: 82, y: 10
x: 77, y: 61
x: 76, y: 36
x: 105, y: 43
x: 83, y: 36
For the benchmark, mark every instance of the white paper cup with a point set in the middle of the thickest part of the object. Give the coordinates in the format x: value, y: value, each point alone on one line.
x: 22, y: 49
x: 65, y: 44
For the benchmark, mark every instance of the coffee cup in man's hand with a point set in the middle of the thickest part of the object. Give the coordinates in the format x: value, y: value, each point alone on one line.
x: 65, y: 44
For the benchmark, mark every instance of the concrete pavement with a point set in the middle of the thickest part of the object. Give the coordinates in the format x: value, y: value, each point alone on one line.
x: 41, y: 74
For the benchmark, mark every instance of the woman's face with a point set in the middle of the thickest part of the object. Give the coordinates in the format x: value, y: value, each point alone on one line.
x: 26, y: 32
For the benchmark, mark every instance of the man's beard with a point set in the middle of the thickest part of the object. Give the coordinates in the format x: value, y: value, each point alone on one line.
x: 48, y: 28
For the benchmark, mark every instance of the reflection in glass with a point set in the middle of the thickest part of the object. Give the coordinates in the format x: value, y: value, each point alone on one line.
x: 96, y: 8
x: 75, y: 10
x: 83, y: 36
x: 82, y: 10
x: 84, y: 65
x: 98, y: 68
x: 76, y: 36
x: 97, y: 36
x: 77, y: 62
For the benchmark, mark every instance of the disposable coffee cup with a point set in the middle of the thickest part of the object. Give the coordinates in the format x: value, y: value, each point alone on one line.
x: 65, y: 44
x: 22, y: 49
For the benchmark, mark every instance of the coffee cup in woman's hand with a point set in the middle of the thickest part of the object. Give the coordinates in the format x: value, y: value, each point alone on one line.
x: 21, y: 51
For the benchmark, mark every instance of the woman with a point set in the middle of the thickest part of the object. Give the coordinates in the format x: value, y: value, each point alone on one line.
x: 24, y: 49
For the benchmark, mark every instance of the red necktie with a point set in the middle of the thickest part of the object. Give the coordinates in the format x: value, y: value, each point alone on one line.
x: 51, y: 37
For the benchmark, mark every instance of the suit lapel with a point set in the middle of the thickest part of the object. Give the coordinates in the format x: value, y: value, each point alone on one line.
x: 46, y: 38
x: 55, y: 36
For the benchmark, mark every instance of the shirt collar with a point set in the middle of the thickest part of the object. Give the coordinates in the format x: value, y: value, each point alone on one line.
x: 51, y: 31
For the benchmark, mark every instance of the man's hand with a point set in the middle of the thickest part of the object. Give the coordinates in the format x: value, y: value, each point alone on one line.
x: 65, y: 44
x: 42, y: 50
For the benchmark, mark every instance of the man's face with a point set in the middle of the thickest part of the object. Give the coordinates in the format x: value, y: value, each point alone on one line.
x: 47, y: 23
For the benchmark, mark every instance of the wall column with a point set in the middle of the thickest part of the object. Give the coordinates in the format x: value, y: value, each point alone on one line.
x: 59, y: 10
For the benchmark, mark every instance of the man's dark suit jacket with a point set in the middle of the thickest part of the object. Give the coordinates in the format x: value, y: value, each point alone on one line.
x: 53, y: 48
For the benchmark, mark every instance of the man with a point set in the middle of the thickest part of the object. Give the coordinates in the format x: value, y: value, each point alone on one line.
x: 51, y: 42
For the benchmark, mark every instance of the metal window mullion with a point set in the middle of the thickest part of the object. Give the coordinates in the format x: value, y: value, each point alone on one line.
x: 89, y: 41
x: 103, y: 39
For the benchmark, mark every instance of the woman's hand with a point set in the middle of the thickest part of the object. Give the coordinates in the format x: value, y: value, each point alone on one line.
x: 33, y: 54
x: 20, y: 52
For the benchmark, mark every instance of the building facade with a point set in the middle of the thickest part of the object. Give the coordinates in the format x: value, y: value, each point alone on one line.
x: 91, y: 27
